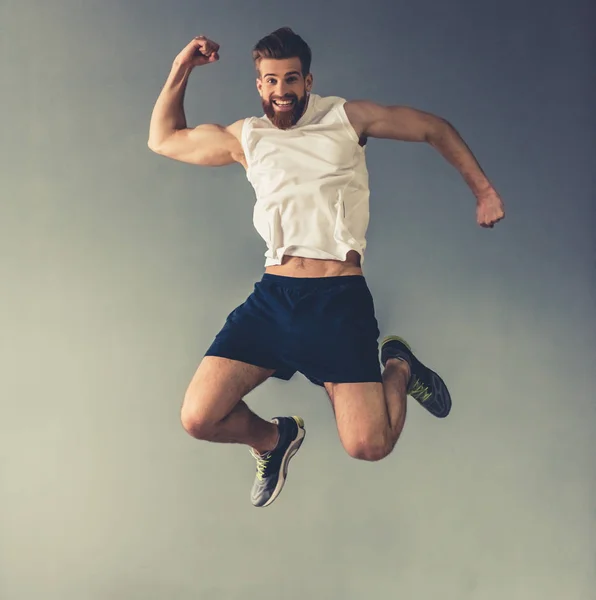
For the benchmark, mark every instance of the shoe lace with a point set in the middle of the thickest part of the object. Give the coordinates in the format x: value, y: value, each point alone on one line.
x: 262, y: 463
x: 419, y: 391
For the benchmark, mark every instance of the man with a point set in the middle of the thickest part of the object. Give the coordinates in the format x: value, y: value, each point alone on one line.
x: 312, y: 311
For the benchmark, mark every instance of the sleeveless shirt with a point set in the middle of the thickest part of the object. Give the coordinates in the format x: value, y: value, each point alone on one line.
x: 311, y: 183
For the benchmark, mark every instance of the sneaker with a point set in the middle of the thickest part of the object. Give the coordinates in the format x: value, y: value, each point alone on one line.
x: 425, y: 385
x: 272, y: 467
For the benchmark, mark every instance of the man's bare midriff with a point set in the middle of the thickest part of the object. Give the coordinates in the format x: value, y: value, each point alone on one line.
x: 298, y: 266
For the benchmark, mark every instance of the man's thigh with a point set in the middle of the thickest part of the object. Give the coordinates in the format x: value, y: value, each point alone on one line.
x: 362, y: 419
x: 218, y: 385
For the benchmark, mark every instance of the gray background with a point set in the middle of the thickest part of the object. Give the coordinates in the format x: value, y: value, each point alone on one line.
x: 118, y: 267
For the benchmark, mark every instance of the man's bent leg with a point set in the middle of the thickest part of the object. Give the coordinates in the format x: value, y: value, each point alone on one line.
x: 213, y: 409
x: 370, y: 416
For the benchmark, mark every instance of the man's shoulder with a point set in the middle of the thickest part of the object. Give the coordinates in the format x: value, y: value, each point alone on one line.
x: 358, y: 113
x: 237, y: 127
x: 352, y: 112
x: 327, y: 102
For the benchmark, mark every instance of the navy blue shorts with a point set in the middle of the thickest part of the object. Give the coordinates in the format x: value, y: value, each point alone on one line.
x: 322, y: 327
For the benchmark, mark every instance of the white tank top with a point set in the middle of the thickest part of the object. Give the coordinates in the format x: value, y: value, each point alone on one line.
x: 311, y: 183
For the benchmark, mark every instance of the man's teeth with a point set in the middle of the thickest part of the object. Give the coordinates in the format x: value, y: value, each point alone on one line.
x: 283, y: 102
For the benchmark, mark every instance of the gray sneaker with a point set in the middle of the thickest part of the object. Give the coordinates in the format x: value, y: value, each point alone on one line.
x: 272, y: 467
x: 425, y: 385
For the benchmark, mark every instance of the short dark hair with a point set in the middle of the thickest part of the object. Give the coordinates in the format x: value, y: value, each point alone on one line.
x: 283, y: 43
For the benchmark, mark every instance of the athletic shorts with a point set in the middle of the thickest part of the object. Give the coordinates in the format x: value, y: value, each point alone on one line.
x: 322, y: 327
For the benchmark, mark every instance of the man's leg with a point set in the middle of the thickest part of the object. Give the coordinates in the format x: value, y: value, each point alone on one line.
x: 213, y: 409
x: 370, y: 416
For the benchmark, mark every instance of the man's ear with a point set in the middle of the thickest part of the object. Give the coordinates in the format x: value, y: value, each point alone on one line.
x: 259, y: 86
x: 308, y: 81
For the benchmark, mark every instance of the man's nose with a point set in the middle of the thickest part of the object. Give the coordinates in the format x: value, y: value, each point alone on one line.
x: 281, y: 90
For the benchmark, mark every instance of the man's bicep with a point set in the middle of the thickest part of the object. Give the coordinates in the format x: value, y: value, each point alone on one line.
x: 208, y: 145
x: 390, y: 122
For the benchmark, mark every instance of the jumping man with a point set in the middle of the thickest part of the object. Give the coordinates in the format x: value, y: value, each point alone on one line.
x: 312, y: 311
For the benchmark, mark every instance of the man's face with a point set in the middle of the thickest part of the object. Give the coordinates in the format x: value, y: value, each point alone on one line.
x: 283, y: 90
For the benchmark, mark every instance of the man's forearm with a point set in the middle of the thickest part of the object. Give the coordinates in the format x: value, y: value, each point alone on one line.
x: 168, y: 112
x: 449, y: 143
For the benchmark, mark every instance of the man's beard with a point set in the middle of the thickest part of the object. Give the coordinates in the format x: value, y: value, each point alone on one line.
x: 285, y: 119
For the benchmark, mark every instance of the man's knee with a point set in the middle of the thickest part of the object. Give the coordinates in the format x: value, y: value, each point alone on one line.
x: 372, y: 449
x: 215, y: 390
x: 195, y: 422
x: 196, y: 418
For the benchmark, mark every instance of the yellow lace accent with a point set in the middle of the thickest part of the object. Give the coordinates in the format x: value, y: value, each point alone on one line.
x: 262, y: 462
x: 419, y: 391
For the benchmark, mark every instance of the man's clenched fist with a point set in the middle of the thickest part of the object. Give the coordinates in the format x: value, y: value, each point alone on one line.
x: 200, y: 51
x: 489, y: 209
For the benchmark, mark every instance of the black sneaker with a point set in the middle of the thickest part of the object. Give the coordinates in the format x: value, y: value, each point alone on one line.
x: 425, y: 385
x: 272, y: 467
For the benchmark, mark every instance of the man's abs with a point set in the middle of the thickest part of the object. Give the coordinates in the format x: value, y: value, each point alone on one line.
x: 298, y: 266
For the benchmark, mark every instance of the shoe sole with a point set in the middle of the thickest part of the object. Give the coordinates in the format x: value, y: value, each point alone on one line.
x: 285, y: 461
x: 443, y: 394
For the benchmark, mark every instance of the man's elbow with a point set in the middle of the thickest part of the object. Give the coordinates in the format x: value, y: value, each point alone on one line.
x: 436, y: 129
x: 155, y: 145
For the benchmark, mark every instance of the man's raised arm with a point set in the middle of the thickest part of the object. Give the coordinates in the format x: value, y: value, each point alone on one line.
x: 169, y: 135
x: 409, y: 124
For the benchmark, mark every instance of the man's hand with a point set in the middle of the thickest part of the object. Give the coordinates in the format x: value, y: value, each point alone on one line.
x: 489, y: 209
x: 199, y: 52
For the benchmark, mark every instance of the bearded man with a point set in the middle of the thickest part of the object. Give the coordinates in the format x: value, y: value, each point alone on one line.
x: 312, y: 311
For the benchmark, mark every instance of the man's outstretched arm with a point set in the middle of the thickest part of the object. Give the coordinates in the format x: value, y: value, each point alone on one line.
x: 412, y: 125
